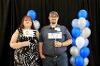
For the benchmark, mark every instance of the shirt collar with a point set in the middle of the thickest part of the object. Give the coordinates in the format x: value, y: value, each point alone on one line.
x: 56, y: 26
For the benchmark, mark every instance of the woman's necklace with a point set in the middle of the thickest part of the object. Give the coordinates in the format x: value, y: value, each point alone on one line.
x: 28, y: 33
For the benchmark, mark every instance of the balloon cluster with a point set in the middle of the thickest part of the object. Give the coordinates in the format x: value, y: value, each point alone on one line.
x: 33, y: 14
x: 80, y: 32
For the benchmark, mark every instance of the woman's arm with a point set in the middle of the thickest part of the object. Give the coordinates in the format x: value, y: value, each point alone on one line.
x: 14, y: 44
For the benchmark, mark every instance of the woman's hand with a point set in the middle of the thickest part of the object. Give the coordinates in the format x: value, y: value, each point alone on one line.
x: 26, y: 43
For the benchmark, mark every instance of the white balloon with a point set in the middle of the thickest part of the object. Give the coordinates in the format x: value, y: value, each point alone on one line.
x: 86, y: 61
x: 81, y: 23
x: 75, y: 23
x: 74, y: 51
x: 86, y: 32
x: 72, y: 60
x: 80, y: 42
x: 86, y: 42
x: 36, y: 24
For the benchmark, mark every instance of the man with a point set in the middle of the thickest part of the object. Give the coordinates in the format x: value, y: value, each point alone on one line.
x: 53, y: 42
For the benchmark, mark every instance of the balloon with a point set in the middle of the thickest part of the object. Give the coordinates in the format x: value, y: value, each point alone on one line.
x: 84, y: 52
x: 36, y: 24
x: 86, y: 32
x: 87, y: 23
x: 81, y: 23
x: 75, y: 23
x: 76, y: 32
x: 86, y: 42
x: 86, y: 61
x: 79, y: 61
x: 73, y: 42
x: 80, y: 42
x: 72, y: 60
x: 32, y: 13
x: 74, y: 51
x: 82, y: 13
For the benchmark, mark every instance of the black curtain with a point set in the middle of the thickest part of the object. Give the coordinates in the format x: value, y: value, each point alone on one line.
x: 5, y: 31
x: 12, y: 11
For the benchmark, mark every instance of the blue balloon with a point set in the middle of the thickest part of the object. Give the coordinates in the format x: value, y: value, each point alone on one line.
x: 82, y: 13
x: 76, y: 32
x: 79, y: 61
x: 87, y: 23
x: 84, y: 52
x: 73, y: 42
x: 32, y: 13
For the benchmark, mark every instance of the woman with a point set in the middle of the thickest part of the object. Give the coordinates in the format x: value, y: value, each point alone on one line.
x: 25, y: 42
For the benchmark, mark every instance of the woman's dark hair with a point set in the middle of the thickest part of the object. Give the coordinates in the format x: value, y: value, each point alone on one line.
x: 22, y: 26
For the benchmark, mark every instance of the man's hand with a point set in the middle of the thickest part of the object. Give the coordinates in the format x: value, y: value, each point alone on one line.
x: 57, y: 44
x: 42, y: 56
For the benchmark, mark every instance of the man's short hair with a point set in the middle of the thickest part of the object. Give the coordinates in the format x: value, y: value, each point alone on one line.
x: 54, y: 13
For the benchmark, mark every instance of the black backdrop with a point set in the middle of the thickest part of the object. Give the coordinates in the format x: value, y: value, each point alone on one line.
x: 11, y: 12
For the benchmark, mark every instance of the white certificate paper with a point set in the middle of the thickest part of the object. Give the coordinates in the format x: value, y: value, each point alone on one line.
x: 57, y: 35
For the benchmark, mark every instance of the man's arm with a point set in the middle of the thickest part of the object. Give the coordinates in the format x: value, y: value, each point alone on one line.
x: 67, y: 42
x: 61, y: 44
x: 41, y: 50
x: 68, y: 39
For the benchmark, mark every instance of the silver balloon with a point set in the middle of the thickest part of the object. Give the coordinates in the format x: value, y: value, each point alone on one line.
x: 80, y: 42
x: 81, y: 23
x: 72, y: 60
x: 75, y: 23
x: 86, y: 32
x: 36, y: 24
x: 86, y: 42
x: 74, y: 51
x: 86, y: 61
